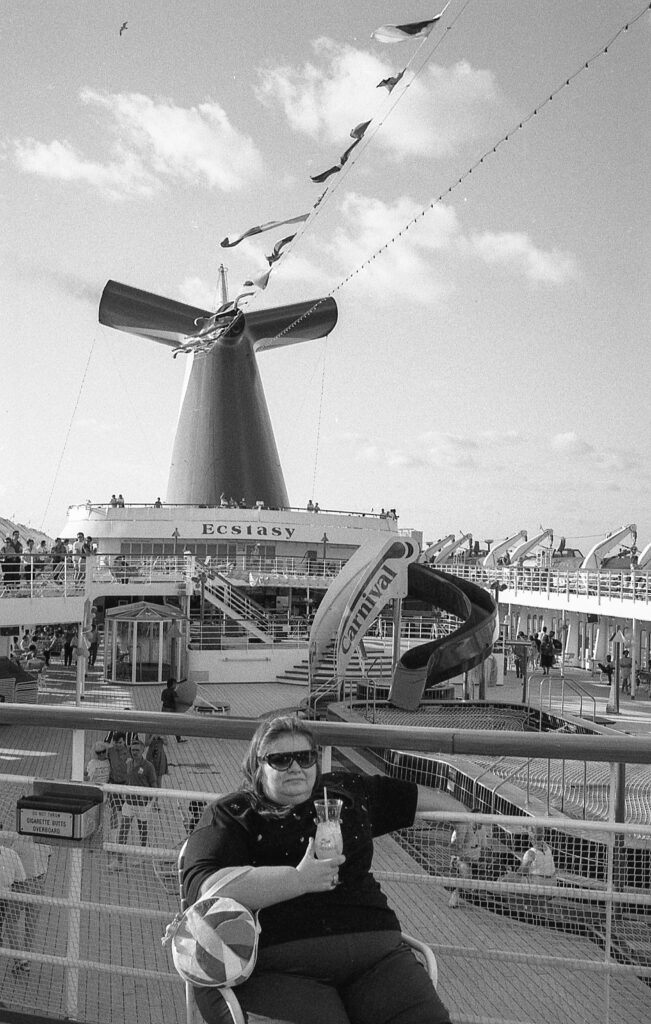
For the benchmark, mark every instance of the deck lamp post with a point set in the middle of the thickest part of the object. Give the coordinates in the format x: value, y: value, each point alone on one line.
x: 497, y: 587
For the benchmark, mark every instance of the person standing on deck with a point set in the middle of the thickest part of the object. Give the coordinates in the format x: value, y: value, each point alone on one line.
x: 139, y: 773
x: 467, y: 845
x: 168, y: 701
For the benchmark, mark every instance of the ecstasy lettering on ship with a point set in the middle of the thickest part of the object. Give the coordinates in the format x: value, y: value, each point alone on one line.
x: 248, y: 530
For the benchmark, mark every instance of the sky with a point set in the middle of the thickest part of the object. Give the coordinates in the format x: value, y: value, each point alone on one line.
x: 489, y: 371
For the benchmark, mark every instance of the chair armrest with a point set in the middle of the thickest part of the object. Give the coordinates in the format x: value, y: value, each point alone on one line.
x: 426, y: 953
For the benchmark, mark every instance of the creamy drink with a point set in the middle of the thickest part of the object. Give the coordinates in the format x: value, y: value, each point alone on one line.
x: 328, y: 841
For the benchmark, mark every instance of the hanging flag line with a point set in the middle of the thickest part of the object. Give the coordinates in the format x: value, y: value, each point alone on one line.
x: 568, y: 80
x: 414, y: 30
x: 230, y: 242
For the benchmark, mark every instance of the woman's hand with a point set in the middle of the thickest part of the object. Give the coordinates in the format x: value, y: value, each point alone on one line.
x: 319, y: 875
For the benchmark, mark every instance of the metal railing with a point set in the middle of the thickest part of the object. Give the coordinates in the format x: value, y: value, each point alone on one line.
x: 583, y: 934
x: 569, y: 684
x: 228, y: 633
x: 622, y: 586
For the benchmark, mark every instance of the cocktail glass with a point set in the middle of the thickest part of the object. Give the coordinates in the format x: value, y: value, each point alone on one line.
x: 328, y: 841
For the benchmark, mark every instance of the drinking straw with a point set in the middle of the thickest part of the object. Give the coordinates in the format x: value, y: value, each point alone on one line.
x: 325, y: 797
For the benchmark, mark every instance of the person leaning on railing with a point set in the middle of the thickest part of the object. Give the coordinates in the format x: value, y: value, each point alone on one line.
x: 331, y: 949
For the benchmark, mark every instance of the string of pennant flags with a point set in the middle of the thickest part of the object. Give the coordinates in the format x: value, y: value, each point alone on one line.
x: 211, y: 328
x: 384, y: 34
x: 493, y: 149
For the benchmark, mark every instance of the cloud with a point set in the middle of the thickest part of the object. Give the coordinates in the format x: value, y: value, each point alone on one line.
x: 153, y: 140
x: 406, y: 270
x: 502, y: 438
x: 60, y: 161
x: 325, y: 97
x: 450, y: 450
x: 405, y: 459
x: 393, y: 252
x: 571, y: 444
x: 514, y: 250
x: 621, y: 461
x: 197, y: 292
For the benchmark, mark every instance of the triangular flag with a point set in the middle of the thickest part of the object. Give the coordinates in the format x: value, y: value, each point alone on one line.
x: 390, y: 83
x: 414, y: 30
x: 259, y: 281
x: 229, y: 242
x: 278, y: 247
x: 357, y: 134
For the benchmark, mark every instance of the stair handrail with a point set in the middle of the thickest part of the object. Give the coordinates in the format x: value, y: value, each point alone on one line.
x: 221, y: 587
x: 582, y: 692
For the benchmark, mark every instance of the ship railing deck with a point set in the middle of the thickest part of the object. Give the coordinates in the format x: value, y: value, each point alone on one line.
x: 509, y: 950
x: 630, y: 585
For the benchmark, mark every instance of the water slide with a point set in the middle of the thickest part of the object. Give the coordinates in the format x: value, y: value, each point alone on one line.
x: 438, y: 660
x: 375, y: 574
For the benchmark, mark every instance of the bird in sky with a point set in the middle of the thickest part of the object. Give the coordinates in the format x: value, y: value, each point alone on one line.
x: 123, y: 26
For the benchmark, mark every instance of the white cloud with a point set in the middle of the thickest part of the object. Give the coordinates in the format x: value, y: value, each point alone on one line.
x: 59, y: 160
x: 570, y: 443
x: 405, y: 269
x: 502, y: 437
x: 153, y: 140
x: 450, y: 450
x: 405, y: 459
x: 326, y: 97
x: 187, y: 142
x: 197, y: 292
x: 515, y: 251
x: 391, y: 251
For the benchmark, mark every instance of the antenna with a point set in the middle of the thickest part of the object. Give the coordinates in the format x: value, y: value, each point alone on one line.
x: 223, y: 284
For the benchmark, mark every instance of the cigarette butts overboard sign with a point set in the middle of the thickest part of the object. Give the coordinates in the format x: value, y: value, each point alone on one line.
x: 59, y: 811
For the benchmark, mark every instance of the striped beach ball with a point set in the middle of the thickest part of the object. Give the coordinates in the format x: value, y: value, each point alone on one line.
x: 216, y: 943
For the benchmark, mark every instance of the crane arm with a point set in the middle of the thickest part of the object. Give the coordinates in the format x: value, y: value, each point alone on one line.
x: 490, y: 561
x: 528, y: 545
x: 594, y: 556
x: 433, y: 549
x: 445, y: 552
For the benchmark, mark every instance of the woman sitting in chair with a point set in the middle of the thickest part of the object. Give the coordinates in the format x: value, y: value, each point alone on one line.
x: 331, y: 950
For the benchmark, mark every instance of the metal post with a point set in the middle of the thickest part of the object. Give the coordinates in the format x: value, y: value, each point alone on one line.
x: 612, y: 708
x: 397, y: 625
x: 134, y: 652
x: 633, y: 658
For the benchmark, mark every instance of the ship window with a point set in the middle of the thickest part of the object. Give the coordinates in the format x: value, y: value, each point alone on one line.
x: 227, y: 551
x: 260, y: 551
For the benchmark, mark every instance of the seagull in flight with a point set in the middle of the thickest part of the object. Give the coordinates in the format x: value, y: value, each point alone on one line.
x: 123, y: 27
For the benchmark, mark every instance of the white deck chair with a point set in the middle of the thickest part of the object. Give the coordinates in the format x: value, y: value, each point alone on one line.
x: 421, y: 950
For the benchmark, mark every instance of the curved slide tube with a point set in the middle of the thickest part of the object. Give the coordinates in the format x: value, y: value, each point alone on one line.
x: 434, y: 662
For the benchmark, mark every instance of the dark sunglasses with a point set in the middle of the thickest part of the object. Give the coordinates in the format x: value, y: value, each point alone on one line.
x: 283, y: 762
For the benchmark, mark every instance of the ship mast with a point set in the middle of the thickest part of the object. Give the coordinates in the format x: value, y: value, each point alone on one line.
x: 223, y: 284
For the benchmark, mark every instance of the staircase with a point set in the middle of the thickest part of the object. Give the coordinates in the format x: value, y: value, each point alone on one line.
x: 238, y: 606
x: 326, y: 689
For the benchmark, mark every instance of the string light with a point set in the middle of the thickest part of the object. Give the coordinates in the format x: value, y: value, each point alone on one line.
x: 567, y: 80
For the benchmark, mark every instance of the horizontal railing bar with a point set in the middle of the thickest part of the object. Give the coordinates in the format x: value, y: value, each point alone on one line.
x: 620, y: 748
